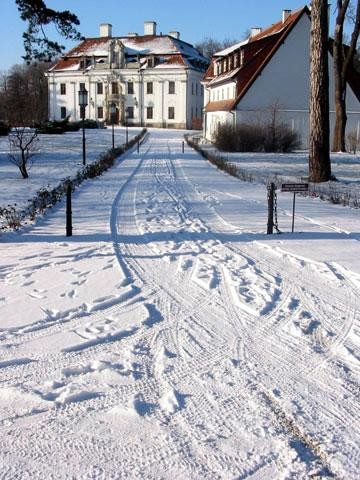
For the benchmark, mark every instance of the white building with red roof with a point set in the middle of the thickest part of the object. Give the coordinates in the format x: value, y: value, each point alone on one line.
x: 151, y: 80
x: 271, y: 70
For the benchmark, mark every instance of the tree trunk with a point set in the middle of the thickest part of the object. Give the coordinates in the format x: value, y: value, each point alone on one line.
x: 23, y: 171
x: 319, y: 155
x: 343, y: 59
x: 22, y: 166
x: 340, y: 124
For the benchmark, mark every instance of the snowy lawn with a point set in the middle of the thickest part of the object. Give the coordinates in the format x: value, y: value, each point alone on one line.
x: 171, y: 338
x: 59, y: 156
x: 295, y: 167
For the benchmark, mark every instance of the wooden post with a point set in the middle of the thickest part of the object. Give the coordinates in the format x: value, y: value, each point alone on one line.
x: 68, y: 211
x: 183, y: 146
x: 293, y: 217
x: 270, y: 224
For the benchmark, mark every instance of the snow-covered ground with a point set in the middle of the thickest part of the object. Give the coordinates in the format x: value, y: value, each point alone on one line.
x: 345, y: 167
x: 171, y: 338
x: 57, y: 157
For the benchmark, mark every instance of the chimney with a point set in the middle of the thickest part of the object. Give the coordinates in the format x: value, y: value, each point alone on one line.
x: 175, y: 35
x: 149, y: 28
x: 285, y: 15
x: 105, y: 30
x: 132, y: 34
x: 255, y: 31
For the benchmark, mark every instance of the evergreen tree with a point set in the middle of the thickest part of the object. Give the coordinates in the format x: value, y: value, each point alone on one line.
x: 37, y: 15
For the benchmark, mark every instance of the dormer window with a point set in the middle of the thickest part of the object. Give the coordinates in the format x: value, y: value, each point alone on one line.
x: 236, y: 60
x: 241, y: 57
x: 84, y: 63
x: 151, y: 62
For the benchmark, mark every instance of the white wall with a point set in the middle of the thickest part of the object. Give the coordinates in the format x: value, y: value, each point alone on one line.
x: 186, y: 105
x: 285, y: 81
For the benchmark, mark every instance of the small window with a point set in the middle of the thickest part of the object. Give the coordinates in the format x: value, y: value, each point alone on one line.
x: 100, y: 88
x: 100, y: 112
x: 114, y: 88
x: 171, y: 113
x: 130, y: 88
x: 192, y: 89
x: 130, y: 112
x: 149, y: 88
x: 171, y: 87
x: 63, y: 112
x: 63, y: 88
x: 235, y: 60
x: 149, y: 112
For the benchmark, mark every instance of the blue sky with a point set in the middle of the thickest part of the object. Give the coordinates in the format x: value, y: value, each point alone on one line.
x: 194, y: 19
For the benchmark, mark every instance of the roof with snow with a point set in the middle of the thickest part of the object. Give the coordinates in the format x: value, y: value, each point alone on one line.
x: 256, y: 52
x: 169, y: 52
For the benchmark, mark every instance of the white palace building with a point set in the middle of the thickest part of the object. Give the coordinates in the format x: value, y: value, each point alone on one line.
x: 148, y: 80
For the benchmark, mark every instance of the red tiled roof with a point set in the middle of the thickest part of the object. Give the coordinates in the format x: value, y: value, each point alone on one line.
x: 220, y: 105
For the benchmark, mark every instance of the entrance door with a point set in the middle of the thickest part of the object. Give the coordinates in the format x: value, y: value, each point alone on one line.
x: 117, y: 116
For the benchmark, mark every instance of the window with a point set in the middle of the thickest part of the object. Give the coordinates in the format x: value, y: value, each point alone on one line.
x: 114, y: 88
x: 149, y: 112
x: 171, y: 87
x: 130, y: 88
x: 235, y: 60
x: 63, y: 112
x: 62, y: 88
x: 171, y: 113
x: 100, y: 112
x: 100, y: 88
x: 192, y: 89
x: 149, y: 88
x: 130, y: 112
x: 196, y: 88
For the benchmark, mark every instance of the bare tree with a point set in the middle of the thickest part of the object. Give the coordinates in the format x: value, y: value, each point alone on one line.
x: 23, y: 143
x: 208, y: 46
x: 24, y: 94
x: 343, y: 60
x: 319, y: 154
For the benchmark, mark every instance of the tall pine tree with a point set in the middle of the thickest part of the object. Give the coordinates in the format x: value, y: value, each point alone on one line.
x: 37, y: 15
x: 319, y: 155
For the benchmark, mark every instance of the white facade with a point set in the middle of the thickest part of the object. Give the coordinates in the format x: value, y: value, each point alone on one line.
x: 153, y: 80
x: 282, y: 82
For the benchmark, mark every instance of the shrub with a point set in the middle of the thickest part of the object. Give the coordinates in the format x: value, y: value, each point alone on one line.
x: 4, y: 129
x: 254, y: 137
x: 353, y: 141
x: 52, y: 127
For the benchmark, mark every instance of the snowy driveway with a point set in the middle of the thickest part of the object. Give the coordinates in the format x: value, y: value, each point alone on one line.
x: 170, y: 338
